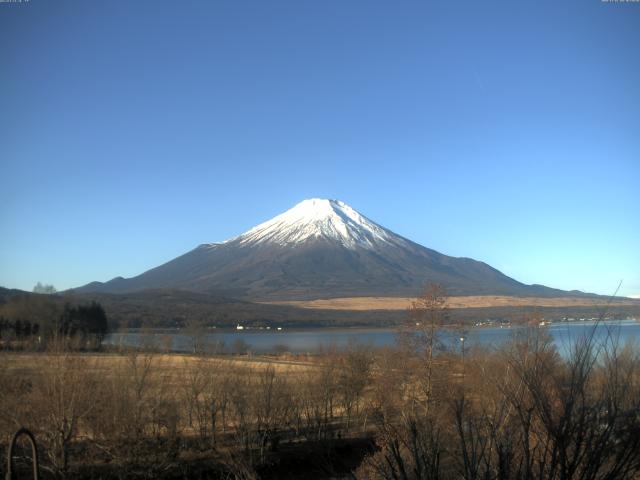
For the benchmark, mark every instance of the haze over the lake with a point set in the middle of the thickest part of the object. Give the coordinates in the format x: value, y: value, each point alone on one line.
x: 508, y: 132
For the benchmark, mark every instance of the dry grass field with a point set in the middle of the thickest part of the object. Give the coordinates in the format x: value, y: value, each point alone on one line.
x: 175, y: 365
x: 149, y: 415
x: 475, y: 301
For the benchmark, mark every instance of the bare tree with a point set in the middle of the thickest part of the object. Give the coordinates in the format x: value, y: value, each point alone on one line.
x: 427, y: 314
x: 196, y: 333
x: 353, y: 378
x: 271, y: 405
x: 61, y: 398
x: 45, y: 289
x: 193, y: 388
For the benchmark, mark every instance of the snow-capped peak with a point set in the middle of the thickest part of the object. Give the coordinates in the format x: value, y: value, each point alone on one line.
x: 319, y: 218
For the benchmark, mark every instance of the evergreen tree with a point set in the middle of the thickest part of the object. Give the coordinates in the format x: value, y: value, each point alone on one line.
x: 17, y: 328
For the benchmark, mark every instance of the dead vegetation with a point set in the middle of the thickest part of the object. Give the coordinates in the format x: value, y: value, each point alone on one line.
x: 469, y: 301
x: 416, y: 411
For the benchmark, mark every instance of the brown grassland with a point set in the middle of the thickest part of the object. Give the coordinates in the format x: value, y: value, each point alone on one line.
x: 475, y: 301
x: 416, y: 411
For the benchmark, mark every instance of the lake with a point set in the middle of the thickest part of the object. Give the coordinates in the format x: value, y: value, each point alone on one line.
x: 310, y: 339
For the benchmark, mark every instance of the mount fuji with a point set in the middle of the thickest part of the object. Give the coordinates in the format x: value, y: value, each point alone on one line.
x: 320, y: 249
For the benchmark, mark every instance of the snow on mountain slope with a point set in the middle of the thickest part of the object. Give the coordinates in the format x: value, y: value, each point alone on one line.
x: 318, y: 218
x: 320, y: 249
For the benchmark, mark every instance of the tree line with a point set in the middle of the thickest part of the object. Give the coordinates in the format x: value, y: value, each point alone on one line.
x: 27, y: 321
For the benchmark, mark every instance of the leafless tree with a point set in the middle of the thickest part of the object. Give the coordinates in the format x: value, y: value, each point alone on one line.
x: 353, y: 377
x: 60, y: 399
x: 196, y: 332
x: 427, y: 315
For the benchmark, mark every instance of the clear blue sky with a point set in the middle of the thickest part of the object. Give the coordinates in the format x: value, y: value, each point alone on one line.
x: 132, y: 131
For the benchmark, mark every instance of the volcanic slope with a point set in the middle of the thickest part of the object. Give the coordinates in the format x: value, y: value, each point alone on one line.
x: 321, y: 249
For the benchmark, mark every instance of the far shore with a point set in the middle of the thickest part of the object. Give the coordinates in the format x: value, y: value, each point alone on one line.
x: 471, y: 301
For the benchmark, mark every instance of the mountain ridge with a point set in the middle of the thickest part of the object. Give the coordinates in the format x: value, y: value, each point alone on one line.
x: 321, y: 249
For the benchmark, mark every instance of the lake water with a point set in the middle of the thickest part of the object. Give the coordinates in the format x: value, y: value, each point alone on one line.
x: 310, y: 340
